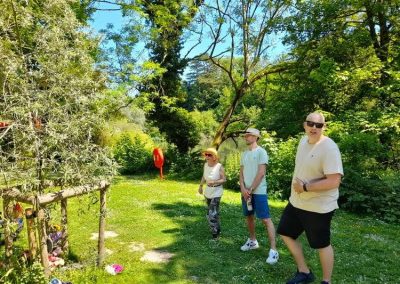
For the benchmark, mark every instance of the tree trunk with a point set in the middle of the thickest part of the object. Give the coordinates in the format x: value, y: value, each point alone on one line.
x: 219, y: 136
x: 30, y: 224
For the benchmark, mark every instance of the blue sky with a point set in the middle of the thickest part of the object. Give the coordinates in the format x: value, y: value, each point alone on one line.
x: 102, y: 18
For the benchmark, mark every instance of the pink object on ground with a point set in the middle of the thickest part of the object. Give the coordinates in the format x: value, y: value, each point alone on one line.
x: 114, y: 269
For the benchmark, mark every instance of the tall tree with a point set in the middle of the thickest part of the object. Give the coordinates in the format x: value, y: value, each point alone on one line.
x: 338, y: 47
x: 50, y: 90
x: 168, y: 20
x: 245, y: 30
x: 205, y: 85
x: 160, y: 24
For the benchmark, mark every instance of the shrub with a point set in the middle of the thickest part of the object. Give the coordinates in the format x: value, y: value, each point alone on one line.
x: 133, y: 154
x: 22, y: 272
x: 281, y: 164
x: 377, y: 195
x: 184, y: 165
x: 370, y: 185
x: 232, y: 170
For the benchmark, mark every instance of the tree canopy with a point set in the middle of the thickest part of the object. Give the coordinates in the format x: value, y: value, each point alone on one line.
x: 49, y: 96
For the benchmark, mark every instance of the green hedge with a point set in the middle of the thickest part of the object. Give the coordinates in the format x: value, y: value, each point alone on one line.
x: 133, y: 154
x: 184, y: 166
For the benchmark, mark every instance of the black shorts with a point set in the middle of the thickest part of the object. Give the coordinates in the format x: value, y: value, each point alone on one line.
x: 317, y: 226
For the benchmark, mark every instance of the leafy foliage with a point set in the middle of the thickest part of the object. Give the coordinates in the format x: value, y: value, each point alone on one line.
x: 369, y: 185
x: 180, y: 128
x: 184, y: 165
x: 167, y: 20
x: 232, y: 170
x: 204, y: 86
x: 49, y: 96
x: 133, y: 154
x: 280, y: 169
x: 348, y: 67
x: 22, y: 272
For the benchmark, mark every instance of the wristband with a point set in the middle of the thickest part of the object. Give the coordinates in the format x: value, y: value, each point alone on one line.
x: 305, y: 187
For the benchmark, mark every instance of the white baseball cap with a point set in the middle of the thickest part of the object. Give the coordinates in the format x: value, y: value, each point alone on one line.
x: 253, y: 131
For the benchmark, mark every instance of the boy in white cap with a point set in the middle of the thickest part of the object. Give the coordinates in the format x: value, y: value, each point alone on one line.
x: 253, y: 186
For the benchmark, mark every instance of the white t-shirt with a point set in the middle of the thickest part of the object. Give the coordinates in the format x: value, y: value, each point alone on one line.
x: 212, y: 174
x: 250, y: 160
x: 313, y: 162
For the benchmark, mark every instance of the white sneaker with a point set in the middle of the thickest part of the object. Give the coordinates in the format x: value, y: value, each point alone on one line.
x: 273, y: 256
x: 250, y: 244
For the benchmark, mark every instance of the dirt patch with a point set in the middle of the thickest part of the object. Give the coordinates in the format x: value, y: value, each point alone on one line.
x: 107, y: 234
x: 136, y: 247
x: 157, y: 256
x: 374, y: 237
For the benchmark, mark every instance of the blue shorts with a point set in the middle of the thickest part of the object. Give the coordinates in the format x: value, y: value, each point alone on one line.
x: 260, y: 206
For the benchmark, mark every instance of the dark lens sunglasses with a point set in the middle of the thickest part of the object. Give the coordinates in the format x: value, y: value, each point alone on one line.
x: 312, y: 123
x: 207, y: 155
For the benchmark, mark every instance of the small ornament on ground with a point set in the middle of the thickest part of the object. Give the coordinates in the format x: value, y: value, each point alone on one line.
x: 114, y: 269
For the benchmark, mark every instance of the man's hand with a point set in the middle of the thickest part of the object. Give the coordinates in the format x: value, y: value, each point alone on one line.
x: 211, y: 183
x: 298, y: 185
x: 245, y: 193
x: 200, y: 189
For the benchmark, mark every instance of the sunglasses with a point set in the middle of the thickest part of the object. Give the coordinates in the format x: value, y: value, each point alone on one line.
x: 316, y: 124
x: 208, y: 155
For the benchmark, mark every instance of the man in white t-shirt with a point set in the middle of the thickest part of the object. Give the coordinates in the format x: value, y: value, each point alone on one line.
x: 313, y: 199
x: 253, y: 186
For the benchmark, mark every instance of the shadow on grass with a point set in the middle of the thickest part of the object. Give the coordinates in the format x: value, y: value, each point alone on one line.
x: 201, y: 259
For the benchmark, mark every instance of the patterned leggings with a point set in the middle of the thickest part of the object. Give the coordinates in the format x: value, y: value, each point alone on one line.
x: 213, y: 215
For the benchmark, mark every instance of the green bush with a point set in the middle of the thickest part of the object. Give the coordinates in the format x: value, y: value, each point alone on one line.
x: 377, y: 195
x: 22, y: 272
x: 184, y: 165
x: 370, y: 185
x: 232, y: 170
x: 133, y: 154
x: 282, y: 155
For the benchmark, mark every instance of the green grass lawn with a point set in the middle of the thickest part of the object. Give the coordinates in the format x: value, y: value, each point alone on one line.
x: 169, y: 216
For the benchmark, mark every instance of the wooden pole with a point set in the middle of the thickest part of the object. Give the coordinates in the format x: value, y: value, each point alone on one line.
x: 102, y: 226
x: 64, y: 224
x: 8, y: 239
x: 30, y: 224
x: 43, y: 241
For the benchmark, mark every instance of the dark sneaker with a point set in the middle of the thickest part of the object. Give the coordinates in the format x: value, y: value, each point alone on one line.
x: 324, y: 282
x: 302, y: 278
